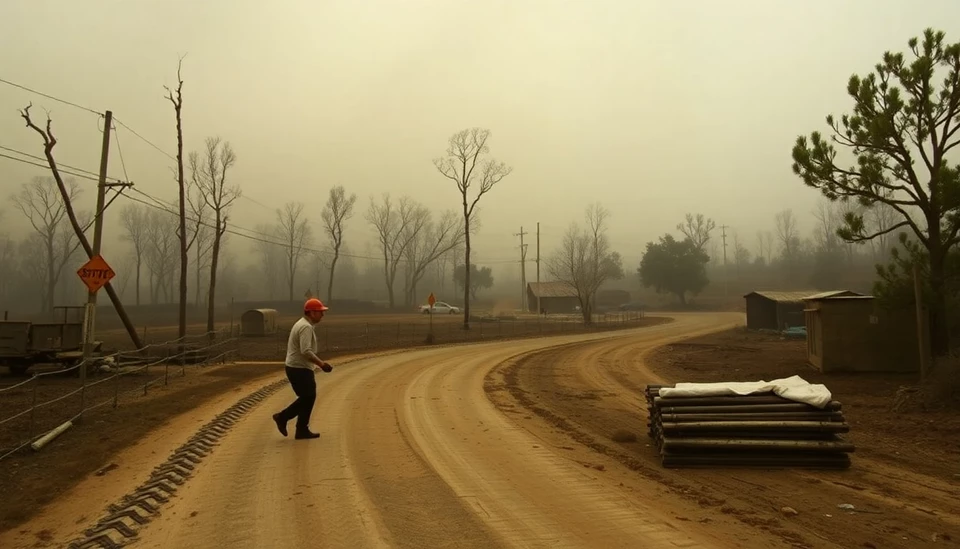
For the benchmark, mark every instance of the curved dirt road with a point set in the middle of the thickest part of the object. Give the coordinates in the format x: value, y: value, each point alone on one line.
x: 415, y: 454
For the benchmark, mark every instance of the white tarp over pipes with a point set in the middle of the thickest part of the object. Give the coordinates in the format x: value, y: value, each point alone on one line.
x: 792, y: 388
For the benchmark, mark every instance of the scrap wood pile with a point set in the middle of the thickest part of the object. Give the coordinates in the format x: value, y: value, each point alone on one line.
x: 783, y: 423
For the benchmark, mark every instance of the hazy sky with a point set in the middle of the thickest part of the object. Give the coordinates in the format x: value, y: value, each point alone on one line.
x: 652, y: 108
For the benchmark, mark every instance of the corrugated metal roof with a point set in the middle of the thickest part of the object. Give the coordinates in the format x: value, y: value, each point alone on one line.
x: 832, y: 294
x: 552, y: 289
x: 800, y: 297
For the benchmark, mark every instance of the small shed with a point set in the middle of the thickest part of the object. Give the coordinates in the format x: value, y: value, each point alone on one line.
x: 258, y: 322
x: 775, y: 310
x: 555, y: 297
x: 853, y: 334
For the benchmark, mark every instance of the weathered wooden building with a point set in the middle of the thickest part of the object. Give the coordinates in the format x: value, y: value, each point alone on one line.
x: 774, y: 310
x: 555, y: 297
x: 853, y: 334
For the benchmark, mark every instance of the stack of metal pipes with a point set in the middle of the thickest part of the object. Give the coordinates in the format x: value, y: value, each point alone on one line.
x: 759, y: 430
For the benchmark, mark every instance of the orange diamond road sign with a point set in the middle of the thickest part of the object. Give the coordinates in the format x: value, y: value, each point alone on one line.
x: 96, y: 273
x: 432, y: 299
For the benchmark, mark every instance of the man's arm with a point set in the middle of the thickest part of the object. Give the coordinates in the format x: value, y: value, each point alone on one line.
x: 306, y: 348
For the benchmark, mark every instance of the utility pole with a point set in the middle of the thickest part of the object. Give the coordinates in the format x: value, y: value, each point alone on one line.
x: 538, y: 270
x: 523, y: 270
x: 723, y: 234
x: 97, y: 238
x: 102, y: 186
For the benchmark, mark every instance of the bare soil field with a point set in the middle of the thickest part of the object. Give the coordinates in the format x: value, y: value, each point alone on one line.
x: 350, y: 333
x: 904, y: 483
x: 927, y: 442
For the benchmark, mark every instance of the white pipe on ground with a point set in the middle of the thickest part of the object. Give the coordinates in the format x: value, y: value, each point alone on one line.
x: 45, y: 439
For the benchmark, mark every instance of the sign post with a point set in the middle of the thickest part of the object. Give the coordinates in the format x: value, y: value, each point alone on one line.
x: 95, y: 274
x: 431, y: 300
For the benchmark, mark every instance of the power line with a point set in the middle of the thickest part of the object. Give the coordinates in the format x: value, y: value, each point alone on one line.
x: 261, y: 237
x: 42, y: 159
x: 45, y: 166
x: 123, y: 164
x: 145, y: 140
x: 48, y: 96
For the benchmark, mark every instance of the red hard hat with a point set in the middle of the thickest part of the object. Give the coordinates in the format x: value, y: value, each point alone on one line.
x: 314, y: 304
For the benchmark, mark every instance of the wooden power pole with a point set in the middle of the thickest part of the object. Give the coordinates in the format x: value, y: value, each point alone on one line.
x: 538, y: 270
x: 523, y: 270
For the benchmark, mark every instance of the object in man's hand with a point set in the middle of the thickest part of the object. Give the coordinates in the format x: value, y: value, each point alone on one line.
x: 326, y: 368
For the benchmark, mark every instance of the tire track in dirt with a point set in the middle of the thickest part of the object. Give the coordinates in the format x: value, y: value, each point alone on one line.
x: 375, y: 477
x: 589, y: 391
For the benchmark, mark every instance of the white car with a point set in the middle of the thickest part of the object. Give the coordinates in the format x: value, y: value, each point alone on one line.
x: 440, y: 307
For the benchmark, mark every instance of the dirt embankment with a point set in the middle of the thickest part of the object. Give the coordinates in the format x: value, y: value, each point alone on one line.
x: 903, y: 482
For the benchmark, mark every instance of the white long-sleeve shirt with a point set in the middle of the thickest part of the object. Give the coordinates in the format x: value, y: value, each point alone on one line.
x: 301, y: 345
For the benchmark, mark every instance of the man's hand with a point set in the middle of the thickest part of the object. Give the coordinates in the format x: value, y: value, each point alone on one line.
x: 326, y: 367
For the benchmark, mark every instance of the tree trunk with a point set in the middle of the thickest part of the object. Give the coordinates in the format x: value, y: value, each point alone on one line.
x: 333, y: 267
x: 138, y: 279
x: 683, y: 298
x: 290, y: 271
x: 939, y: 328
x: 51, y: 281
x: 212, y: 296
x: 466, y: 268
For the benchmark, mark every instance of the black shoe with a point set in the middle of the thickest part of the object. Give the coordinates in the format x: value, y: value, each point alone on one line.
x: 281, y: 424
x: 306, y: 435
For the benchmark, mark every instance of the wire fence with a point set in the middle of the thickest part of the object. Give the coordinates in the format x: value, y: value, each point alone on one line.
x: 49, y: 399
x: 31, y: 408
x: 369, y: 336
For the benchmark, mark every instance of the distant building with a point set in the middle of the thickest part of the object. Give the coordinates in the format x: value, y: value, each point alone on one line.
x: 258, y: 322
x: 555, y: 297
x: 853, y: 334
x: 773, y: 310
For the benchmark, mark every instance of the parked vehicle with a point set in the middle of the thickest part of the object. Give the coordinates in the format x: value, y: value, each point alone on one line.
x: 439, y: 308
x: 23, y: 344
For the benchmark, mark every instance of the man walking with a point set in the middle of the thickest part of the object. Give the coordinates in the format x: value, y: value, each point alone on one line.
x: 300, y: 367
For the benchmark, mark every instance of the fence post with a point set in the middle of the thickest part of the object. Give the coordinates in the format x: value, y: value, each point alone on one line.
x: 33, y: 408
x: 481, y: 329
x: 116, y: 389
x: 83, y: 388
x: 398, y: 334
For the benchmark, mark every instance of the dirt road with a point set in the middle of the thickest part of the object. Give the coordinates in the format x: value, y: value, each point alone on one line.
x: 414, y: 454
x: 498, y: 445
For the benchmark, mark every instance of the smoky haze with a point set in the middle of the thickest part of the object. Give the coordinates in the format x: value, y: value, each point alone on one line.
x: 652, y: 109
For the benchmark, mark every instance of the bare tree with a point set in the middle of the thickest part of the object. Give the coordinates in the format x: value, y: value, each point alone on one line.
x: 788, y: 235
x: 828, y: 222
x: 209, y: 174
x: 8, y: 265
x: 271, y: 259
x: 135, y: 221
x: 49, y: 142
x: 881, y: 217
x: 396, y: 226
x: 296, y: 235
x: 338, y: 210
x: 741, y: 255
x: 319, y: 265
x: 698, y: 229
x: 584, y: 260
x: 463, y: 166
x: 160, y: 253
x: 40, y: 202
x: 176, y: 99
x: 428, y: 245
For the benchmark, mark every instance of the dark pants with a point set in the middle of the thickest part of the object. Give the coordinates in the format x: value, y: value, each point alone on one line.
x: 305, y: 386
